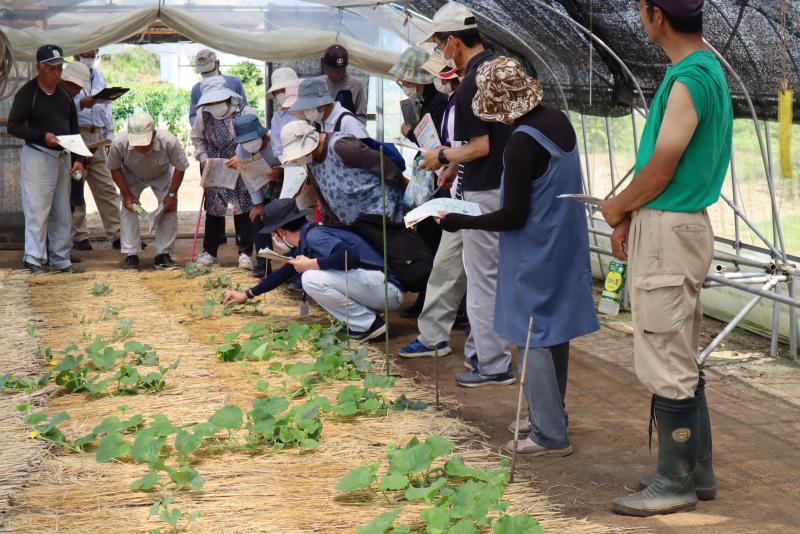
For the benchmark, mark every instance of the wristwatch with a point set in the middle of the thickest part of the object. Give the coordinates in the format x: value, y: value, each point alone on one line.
x: 172, y: 195
x: 442, y: 158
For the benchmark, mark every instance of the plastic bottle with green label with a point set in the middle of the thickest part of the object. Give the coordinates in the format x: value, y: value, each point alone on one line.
x: 612, y: 291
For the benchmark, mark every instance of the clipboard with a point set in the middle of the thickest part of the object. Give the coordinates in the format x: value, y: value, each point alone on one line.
x: 109, y: 94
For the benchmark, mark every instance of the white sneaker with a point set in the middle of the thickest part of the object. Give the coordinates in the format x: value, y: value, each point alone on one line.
x: 245, y: 262
x: 207, y: 260
x: 531, y: 448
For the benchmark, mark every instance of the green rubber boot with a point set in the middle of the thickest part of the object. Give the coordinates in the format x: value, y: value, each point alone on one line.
x: 672, y: 488
x: 705, y: 483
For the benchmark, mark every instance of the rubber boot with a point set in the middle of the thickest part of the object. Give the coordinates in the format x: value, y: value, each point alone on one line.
x: 705, y: 483
x: 672, y: 489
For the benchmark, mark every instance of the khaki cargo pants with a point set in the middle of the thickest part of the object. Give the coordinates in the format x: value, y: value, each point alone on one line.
x: 669, y: 254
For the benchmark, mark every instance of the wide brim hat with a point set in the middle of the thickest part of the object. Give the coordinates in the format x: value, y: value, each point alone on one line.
x: 279, y: 212
x: 281, y: 79
x: 217, y: 95
x: 505, y: 91
x: 291, y: 94
x: 79, y: 74
x: 312, y: 93
x: 247, y: 128
x: 409, y: 68
x: 299, y: 139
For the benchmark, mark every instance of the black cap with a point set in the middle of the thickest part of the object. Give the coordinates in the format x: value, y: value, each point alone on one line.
x: 681, y: 8
x: 335, y: 60
x: 280, y: 212
x: 50, y: 54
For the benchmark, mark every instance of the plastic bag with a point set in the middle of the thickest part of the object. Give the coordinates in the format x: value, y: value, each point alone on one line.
x: 420, y: 188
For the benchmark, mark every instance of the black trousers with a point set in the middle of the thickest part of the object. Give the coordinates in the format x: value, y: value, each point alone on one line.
x: 215, y: 229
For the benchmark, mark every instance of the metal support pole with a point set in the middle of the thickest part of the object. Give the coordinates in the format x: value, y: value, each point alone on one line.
x: 520, y: 394
x: 614, y: 189
x: 347, y: 297
x: 739, y: 213
x: 737, y: 244
x: 635, y: 134
x: 589, y: 188
x: 734, y: 322
x: 379, y: 119
x: 755, y: 291
x: 385, y: 268
x: 611, y: 165
x: 777, y: 238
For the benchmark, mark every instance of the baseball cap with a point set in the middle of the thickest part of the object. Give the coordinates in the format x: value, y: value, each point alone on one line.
x: 681, y: 8
x: 335, y: 60
x: 50, y: 54
x: 140, y: 129
x: 205, y: 61
x: 77, y: 73
x: 452, y: 17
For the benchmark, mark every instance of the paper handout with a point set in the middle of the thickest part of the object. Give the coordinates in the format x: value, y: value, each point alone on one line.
x: 254, y: 172
x: 74, y: 144
x: 586, y: 199
x: 433, y: 207
x: 427, y: 137
x: 217, y: 174
x: 272, y: 255
x: 153, y: 218
x: 294, y: 176
x: 404, y: 143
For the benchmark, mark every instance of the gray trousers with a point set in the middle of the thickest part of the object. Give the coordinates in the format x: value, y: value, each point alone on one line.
x: 45, y: 182
x: 166, y: 229
x: 446, y: 287
x: 545, y: 389
x: 481, y: 251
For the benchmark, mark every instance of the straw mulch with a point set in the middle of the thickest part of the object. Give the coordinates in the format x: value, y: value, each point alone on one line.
x: 277, y: 492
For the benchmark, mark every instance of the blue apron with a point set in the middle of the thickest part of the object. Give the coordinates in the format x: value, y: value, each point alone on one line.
x: 544, y: 267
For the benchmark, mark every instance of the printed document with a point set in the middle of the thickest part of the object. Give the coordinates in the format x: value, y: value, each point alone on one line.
x: 74, y: 144
x: 427, y: 137
x: 271, y: 255
x: 586, y: 199
x: 433, y: 207
x: 217, y: 174
x: 254, y: 172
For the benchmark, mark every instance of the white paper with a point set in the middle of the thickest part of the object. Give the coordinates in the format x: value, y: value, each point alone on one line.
x: 426, y: 133
x: 272, y: 255
x: 153, y: 218
x: 294, y: 176
x: 254, y: 172
x: 586, y: 199
x: 404, y: 143
x: 433, y: 207
x: 217, y: 174
x: 75, y: 144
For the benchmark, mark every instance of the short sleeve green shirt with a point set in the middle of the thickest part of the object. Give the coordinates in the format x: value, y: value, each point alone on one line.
x: 698, y: 179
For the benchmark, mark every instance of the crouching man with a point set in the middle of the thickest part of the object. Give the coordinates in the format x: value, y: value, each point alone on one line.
x: 321, y: 255
x: 145, y: 157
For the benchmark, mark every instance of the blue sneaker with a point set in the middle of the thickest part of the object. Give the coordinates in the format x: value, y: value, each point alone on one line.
x: 418, y: 350
x: 475, y: 379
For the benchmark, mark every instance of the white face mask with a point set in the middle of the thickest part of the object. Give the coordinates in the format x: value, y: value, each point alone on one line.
x: 252, y: 146
x: 88, y: 61
x: 313, y: 115
x: 410, y: 92
x: 279, y: 245
x: 218, y: 110
x: 280, y: 99
x: 442, y: 86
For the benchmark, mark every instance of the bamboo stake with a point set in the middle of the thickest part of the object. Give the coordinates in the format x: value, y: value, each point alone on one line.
x: 519, y: 398
x: 385, y: 269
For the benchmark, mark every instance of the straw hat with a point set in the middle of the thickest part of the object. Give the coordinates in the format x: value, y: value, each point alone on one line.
x: 77, y: 73
x: 299, y: 139
x: 409, y: 68
x: 281, y: 79
x: 505, y: 91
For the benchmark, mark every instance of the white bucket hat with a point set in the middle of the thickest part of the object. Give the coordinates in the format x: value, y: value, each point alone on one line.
x: 77, y: 73
x: 140, y: 129
x: 299, y: 139
x: 281, y: 79
x: 214, y: 90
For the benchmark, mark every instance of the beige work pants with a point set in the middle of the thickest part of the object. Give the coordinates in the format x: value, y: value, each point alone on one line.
x: 669, y: 254
x: 104, y: 192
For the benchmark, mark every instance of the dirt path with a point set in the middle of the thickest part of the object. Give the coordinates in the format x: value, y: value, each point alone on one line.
x: 755, y: 433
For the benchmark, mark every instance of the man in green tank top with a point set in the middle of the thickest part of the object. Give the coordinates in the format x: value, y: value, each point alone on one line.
x: 662, y: 228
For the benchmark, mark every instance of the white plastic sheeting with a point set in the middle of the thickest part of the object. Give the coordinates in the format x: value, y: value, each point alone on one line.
x: 284, y: 44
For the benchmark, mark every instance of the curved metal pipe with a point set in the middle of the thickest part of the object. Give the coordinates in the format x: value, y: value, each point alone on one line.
x: 599, y: 41
x: 765, y: 160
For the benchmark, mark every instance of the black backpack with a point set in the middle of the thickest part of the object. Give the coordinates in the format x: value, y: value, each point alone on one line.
x: 410, y: 260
